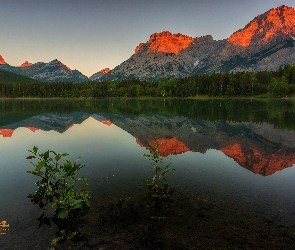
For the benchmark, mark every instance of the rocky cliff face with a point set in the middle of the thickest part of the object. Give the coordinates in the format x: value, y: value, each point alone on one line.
x: 165, y: 42
x: 274, y: 23
x: 266, y: 43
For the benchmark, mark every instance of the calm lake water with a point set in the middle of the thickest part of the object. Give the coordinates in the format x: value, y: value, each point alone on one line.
x: 233, y: 159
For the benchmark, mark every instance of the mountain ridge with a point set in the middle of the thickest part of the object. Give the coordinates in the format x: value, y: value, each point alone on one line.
x: 275, y: 22
x: 265, y: 43
x: 52, y: 71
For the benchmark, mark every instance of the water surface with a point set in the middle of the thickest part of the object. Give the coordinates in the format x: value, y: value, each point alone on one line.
x: 233, y: 159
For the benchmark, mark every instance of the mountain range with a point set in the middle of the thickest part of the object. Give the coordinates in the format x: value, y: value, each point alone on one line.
x: 266, y: 43
x: 54, y: 71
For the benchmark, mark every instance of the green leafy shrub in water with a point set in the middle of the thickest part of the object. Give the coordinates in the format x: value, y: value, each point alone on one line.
x: 56, y: 186
x: 159, y: 192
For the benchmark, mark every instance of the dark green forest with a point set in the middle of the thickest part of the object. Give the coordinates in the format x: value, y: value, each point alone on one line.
x: 9, y: 77
x: 280, y: 83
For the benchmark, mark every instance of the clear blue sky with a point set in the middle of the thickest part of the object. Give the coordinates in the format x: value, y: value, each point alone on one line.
x: 90, y: 35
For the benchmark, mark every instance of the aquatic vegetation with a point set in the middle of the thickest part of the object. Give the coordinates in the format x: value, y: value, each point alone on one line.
x: 159, y: 193
x: 56, y: 187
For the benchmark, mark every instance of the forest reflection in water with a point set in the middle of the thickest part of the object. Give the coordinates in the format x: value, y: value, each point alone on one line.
x: 233, y: 161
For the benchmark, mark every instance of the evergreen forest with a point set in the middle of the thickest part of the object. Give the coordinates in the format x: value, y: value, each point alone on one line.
x: 280, y: 83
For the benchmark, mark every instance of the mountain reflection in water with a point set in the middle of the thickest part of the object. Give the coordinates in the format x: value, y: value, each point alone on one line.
x: 260, y: 148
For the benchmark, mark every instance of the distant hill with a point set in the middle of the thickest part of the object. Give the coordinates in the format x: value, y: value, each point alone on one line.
x: 54, y: 71
x: 10, y: 77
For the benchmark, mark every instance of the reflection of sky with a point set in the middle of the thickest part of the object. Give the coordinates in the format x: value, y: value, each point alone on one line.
x: 221, y: 176
x: 100, y: 146
x: 89, y: 138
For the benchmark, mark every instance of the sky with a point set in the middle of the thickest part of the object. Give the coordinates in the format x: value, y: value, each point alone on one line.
x: 90, y: 35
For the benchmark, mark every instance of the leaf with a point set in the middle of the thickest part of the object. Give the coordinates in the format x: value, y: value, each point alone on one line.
x: 32, y: 172
x: 31, y: 157
x: 57, y: 157
x: 35, y: 149
x: 165, y: 182
x: 65, y: 154
x: 87, y: 202
x: 158, y: 169
x: 46, y: 155
x: 84, y: 186
x: 76, y: 204
x: 40, y: 165
x: 151, y: 185
x: 82, y: 179
x: 56, y: 240
x: 67, y: 166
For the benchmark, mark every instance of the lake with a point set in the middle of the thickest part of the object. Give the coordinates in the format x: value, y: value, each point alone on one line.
x: 233, y: 159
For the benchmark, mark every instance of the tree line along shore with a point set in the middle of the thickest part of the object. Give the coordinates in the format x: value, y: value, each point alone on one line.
x: 280, y: 83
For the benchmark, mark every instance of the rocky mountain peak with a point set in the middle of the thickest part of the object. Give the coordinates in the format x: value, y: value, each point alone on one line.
x: 166, y: 42
x: 104, y: 71
x: 100, y: 74
x: 56, y: 62
x: 275, y: 22
x: 2, y: 61
x: 25, y: 64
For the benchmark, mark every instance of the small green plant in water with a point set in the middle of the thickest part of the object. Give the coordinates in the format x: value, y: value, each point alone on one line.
x: 159, y: 194
x: 56, y: 186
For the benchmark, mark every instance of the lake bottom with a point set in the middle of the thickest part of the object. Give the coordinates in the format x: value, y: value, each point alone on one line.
x: 195, y: 219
